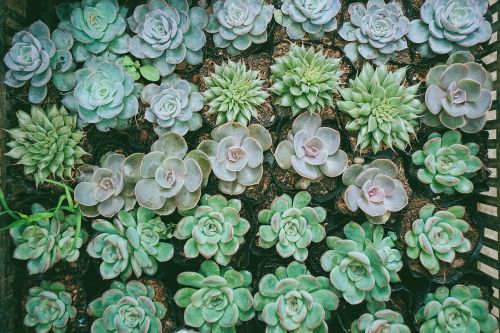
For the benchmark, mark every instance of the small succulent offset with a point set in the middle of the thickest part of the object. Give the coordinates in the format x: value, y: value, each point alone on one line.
x: 234, y: 93
x: 136, y: 70
x: 293, y: 300
x: 436, y: 237
x: 311, y: 17
x: 238, y: 24
x: 446, y: 26
x: 376, y: 31
x: 458, y: 95
x: 383, y: 320
x: 375, y: 189
x: 291, y: 225
x: 305, y: 80
x: 131, y: 244
x: 217, y: 298
x: 173, y: 105
x: 215, y: 229
x: 447, y: 163
x: 169, y: 33
x: 236, y: 154
x: 312, y: 151
x: 49, y: 308
x: 127, y: 308
x: 46, y: 143
x: 461, y: 309
x: 384, y: 109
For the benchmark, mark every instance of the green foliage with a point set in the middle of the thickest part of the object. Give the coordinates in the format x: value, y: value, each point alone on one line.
x: 136, y: 70
x: 383, y: 320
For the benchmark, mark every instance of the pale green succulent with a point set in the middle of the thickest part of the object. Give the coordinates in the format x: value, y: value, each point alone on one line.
x: 136, y: 70
x: 382, y: 321
x: 305, y: 80
x: 461, y: 309
x: 234, y: 93
x: 217, y: 299
x: 291, y: 225
x: 447, y: 163
x: 215, y: 229
x: 293, y: 300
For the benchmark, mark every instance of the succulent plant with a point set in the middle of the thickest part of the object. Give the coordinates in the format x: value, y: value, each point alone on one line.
x: 461, y: 309
x: 136, y: 70
x: 363, y: 265
x: 383, y: 107
x: 436, y: 237
x: 131, y: 244
x: 238, y: 24
x: 214, y: 229
x: 234, y: 93
x: 127, y: 307
x: 446, y: 26
x: 293, y: 300
x: 447, y: 163
x: 305, y: 79
x: 173, y: 105
x: 383, y: 320
x: 236, y: 153
x: 458, y: 95
x: 169, y: 33
x: 375, y: 189
x: 49, y: 308
x: 97, y: 26
x: 217, y: 298
x: 291, y: 225
x: 311, y: 151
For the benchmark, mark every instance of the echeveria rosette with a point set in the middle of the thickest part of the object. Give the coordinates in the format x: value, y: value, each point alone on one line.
x: 458, y: 95
x: 459, y: 309
x: 214, y: 229
x: 447, y: 164
x: 446, y: 26
x: 376, y: 31
x: 291, y: 225
x: 384, y: 320
x: 174, y: 105
x: 217, y: 299
x: 49, y: 308
x: 236, y: 153
x: 293, y: 300
x: 437, y: 236
x: 234, y: 93
x: 236, y: 24
x: 305, y: 80
x: 375, y: 189
x: 307, y: 17
x: 169, y: 33
x: 127, y: 307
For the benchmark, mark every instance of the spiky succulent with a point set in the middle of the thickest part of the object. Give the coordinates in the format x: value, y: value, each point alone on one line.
x: 458, y: 95
x: 234, y: 93
x: 291, y: 225
x: 46, y: 143
x: 236, y: 154
x: 217, y: 299
x: 375, y: 189
x: 384, y: 320
x: 362, y: 265
x: 446, y: 26
x: 169, y: 33
x: 383, y: 107
x: 305, y: 80
x: 312, y: 151
x: 173, y: 105
x: 437, y: 236
x: 461, y: 309
x: 215, y: 229
x: 49, y: 308
x: 133, y: 243
x: 126, y: 308
x: 237, y: 24
x: 293, y: 300
x: 447, y: 163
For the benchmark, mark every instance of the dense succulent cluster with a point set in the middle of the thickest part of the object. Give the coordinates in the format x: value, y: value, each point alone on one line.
x: 447, y: 163
x: 383, y: 320
x: 216, y: 299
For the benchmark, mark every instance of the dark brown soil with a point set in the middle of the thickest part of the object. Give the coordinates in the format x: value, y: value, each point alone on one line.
x: 260, y: 191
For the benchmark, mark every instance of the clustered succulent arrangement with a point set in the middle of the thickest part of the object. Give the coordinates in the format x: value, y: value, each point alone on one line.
x: 382, y: 320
